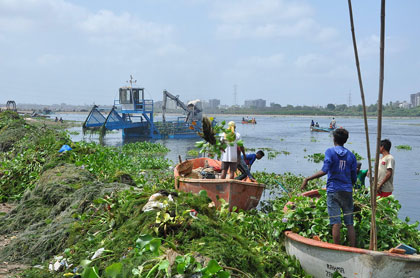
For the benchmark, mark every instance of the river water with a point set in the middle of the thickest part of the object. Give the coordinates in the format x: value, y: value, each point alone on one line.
x: 292, y: 134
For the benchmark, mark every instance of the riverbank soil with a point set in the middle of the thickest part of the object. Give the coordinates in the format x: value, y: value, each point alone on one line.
x: 51, y: 123
x: 8, y: 269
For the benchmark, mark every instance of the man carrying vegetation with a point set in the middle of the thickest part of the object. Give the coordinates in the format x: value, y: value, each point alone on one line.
x: 340, y: 165
x: 385, y: 170
x: 230, y: 154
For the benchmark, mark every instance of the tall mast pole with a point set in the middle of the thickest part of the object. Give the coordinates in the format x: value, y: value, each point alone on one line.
x: 380, y: 100
x: 362, y: 95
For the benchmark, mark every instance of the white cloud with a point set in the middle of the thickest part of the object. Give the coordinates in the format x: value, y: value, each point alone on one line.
x: 258, y: 62
x: 312, y: 61
x: 29, y: 15
x: 246, y: 11
x: 170, y: 49
x: 255, y: 67
x: 326, y: 33
x: 369, y: 46
x: 268, y: 30
x: 14, y: 24
x: 61, y: 16
x: 105, y: 25
x: 50, y: 59
x: 268, y: 19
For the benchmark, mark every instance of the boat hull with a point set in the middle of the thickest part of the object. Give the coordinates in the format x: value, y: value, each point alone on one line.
x: 241, y: 194
x: 322, y: 259
x: 321, y: 129
x: 249, y: 122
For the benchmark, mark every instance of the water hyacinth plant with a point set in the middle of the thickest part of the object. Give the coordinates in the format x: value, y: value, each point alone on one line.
x: 404, y: 147
x: 213, y: 143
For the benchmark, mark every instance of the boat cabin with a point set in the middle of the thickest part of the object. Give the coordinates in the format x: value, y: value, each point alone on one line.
x: 131, y: 98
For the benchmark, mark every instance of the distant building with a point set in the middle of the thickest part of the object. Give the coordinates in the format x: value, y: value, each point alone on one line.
x: 214, y: 103
x: 415, y: 99
x: 255, y: 103
x: 404, y: 104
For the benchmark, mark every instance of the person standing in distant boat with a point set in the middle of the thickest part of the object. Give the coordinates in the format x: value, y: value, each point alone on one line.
x: 333, y: 123
x: 340, y: 164
x: 312, y: 123
x: 385, y: 170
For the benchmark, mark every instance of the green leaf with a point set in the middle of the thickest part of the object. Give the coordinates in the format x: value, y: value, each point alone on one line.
x: 180, y: 268
x: 164, y: 265
x: 154, y: 245
x: 113, y: 270
x: 143, y: 240
x: 203, y: 193
x: 85, y: 263
x: 90, y: 272
x: 213, y: 267
x: 223, y: 274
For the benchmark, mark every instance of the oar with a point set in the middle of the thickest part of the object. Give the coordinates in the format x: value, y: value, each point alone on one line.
x: 285, y: 190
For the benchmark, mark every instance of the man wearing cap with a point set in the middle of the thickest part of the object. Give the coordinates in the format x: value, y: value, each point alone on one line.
x: 230, y: 154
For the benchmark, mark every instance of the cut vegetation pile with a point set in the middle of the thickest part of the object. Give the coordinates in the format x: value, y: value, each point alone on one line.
x: 12, y: 129
x: 45, y: 214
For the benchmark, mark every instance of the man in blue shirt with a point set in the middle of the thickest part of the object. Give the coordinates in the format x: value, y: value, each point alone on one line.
x: 341, y: 166
x: 245, y: 164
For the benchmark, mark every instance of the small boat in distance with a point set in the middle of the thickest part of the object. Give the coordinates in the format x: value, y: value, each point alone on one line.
x: 321, y: 129
x: 238, y: 193
x: 247, y: 121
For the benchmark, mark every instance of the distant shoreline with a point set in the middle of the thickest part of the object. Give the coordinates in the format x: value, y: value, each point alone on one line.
x: 248, y: 115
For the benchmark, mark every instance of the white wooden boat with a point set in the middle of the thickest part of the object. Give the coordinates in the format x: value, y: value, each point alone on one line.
x: 323, y: 259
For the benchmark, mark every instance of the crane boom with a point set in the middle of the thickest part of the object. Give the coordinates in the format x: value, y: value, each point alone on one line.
x: 190, y: 109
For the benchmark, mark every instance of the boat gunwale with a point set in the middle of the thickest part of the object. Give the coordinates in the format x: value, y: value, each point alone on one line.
x: 326, y: 245
x: 211, y: 181
x: 331, y: 246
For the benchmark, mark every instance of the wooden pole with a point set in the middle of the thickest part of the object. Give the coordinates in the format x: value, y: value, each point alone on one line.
x: 380, y: 100
x: 362, y: 95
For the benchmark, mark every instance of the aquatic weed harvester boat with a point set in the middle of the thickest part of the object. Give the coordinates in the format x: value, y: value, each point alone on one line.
x: 133, y: 114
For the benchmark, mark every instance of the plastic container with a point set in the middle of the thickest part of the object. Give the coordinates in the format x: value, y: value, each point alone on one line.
x: 408, y: 249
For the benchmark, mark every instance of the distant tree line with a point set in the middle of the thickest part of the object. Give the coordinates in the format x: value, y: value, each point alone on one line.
x: 389, y: 110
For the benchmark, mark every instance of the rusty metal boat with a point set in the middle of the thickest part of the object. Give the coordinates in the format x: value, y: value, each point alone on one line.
x: 241, y: 194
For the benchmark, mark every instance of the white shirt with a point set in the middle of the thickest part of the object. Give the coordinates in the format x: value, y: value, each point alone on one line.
x: 387, y: 162
x: 231, y: 152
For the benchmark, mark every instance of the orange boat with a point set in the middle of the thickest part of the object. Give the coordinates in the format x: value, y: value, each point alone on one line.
x: 241, y: 194
x: 253, y: 121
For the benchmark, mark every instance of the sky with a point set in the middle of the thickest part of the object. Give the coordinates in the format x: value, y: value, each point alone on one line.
x: 284, y: 51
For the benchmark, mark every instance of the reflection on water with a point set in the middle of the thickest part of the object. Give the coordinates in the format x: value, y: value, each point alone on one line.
x: 292, y: 134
